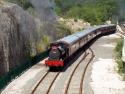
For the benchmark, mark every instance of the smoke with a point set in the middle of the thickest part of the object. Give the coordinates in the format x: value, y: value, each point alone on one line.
x: 46, y: 14
x: 44, y: 9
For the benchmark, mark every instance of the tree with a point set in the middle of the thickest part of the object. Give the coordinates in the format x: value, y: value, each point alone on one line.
x: 95, y: 12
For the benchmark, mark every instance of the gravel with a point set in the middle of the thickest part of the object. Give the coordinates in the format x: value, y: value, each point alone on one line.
x: 105, y: 79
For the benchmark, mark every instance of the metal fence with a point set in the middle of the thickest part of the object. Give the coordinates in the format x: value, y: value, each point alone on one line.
x: 123, y: 50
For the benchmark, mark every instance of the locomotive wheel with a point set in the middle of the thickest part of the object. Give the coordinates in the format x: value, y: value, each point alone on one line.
x: 51, y: 68
x: 55, y: 68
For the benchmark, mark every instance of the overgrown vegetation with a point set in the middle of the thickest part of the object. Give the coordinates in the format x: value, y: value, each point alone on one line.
x: 118, y: 50
x: 95, y: 12
x: 43, y: 43
x: 62, y: 30
x: 32, y: 12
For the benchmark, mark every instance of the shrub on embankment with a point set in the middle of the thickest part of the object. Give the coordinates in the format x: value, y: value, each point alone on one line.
x: 118, y: 50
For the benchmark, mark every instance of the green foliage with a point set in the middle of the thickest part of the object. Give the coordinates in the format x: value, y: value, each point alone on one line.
x: 95, y: 12
x: 119, y: 61
x: 42, y: 44
x: 118, y: 48
x: 62, y: 30
x: 32, y: 11
x: 23, y: 3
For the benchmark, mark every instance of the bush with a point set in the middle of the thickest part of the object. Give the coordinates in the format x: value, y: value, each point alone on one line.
x: 32, y: 12
x: 62, y: 30
x: 43, y: 43
x: 118, y: 50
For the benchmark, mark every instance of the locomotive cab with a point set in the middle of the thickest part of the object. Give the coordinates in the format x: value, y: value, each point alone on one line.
x: 56, y: 55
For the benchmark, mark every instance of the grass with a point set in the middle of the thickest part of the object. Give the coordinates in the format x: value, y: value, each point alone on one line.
x: 118, y: 50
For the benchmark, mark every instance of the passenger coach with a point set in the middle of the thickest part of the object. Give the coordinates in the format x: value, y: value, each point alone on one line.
x: 65, y: 47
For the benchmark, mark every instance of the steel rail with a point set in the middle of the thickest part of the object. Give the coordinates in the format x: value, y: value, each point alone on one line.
x: 83, y: 75
x: 33, y: 91
x: 69, y: 81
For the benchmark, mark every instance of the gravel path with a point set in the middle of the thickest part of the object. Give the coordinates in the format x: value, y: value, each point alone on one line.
x: 105, y: 79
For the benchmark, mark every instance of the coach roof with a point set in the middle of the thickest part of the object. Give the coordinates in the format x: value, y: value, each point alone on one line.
x: 69, y: 39
x: 74, y: 37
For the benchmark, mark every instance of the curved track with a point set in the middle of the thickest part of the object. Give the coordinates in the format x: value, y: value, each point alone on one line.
x: 69, y: 81
x: 49, y: 90
x: 45, y: 84
x: 49, y: 78
x: 83, y: 75
x: 39, y: 83
x: 75, y: 74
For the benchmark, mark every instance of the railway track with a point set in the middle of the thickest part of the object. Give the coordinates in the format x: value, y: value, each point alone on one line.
x: 83, y: 75
x: 75, y: 84
x: 34, y: 88
x: 69, y: 81
x: 46, y: 83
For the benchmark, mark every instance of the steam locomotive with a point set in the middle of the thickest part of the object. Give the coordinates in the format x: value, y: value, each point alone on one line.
x: 65, y: 47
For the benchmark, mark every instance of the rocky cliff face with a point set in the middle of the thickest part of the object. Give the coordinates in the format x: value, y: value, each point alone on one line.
x: 17, y: 36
